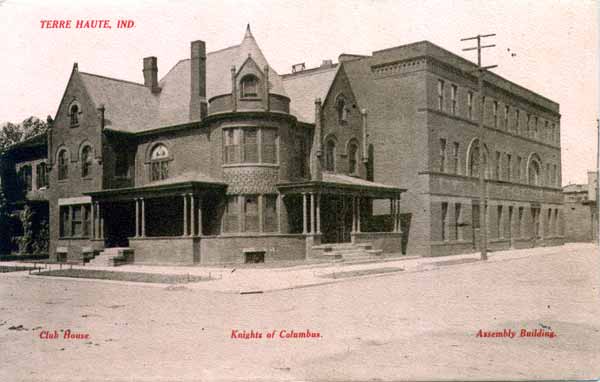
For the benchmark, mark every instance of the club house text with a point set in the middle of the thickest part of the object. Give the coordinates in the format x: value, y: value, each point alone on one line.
x: 66, y: 335
x: 85, y: 24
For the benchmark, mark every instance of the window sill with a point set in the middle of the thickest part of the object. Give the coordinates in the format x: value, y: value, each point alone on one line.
x: 230, y: 165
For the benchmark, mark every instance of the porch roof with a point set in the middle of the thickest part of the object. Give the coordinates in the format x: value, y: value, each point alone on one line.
x: 342, y: 184
x: 187, y: 182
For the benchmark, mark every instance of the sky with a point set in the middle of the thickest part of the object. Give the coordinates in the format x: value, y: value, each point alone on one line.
x: 556, y: 45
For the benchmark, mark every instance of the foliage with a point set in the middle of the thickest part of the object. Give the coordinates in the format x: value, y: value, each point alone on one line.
x: 12, y: 133
x: 5, y: 227
x: 27, y: 240
x: 42, y: 239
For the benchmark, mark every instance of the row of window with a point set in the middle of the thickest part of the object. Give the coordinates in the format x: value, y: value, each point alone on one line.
x: 26, y: 177
x: 63, y: 162
x: 242, y: 213
x: 250, y: 145
x: 505, y: 168
x: 503, y: 117
x: 330, y: 156
x: 506, y: 223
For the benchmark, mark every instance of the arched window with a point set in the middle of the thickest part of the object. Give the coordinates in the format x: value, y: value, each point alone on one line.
x: 342, y: 112
x: 330, y: 155
x: 533, y: 171
x: 352, y: 158
x: 86, y: 161
x: 74, y: 114
x: 159, y: 163
x: 249, y: 86
x: 63, y: 164
x: 474, y: 165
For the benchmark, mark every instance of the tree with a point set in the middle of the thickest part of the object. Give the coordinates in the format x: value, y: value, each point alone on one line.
x: 12, y: 133
x: 27, y: 240
x: 5, y: 226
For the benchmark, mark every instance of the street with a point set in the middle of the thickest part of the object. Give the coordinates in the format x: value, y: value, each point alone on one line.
x: 399, y: 326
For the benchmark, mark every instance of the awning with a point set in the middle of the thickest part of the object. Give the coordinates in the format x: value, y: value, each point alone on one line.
x: 195, y: 183
x: 342, y: 185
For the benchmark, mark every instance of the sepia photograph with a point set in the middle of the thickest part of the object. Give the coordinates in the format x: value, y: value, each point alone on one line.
x: 286, y: 190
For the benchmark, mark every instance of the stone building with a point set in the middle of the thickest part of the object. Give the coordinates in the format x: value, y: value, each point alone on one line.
x: 581, y: 211
x: 223, y: 160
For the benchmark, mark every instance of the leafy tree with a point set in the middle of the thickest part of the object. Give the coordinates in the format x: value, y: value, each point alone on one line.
x: 5, y: 226
x: 27, y: 240
x: 12, y: 133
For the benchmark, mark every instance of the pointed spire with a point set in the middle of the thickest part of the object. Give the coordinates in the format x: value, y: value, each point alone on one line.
x: 248, y: 32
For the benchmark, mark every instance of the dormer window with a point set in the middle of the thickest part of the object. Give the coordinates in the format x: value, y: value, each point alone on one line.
x: 74, y: 111
x: 342, y: 111
x: 249, y: 86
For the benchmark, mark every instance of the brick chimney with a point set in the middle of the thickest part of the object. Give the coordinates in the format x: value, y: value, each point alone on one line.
x: 151, y: 74
x: 198, y: 105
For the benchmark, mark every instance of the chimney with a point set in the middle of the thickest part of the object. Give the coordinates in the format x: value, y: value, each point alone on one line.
x: 198, y: 105
x: 151, y: 74
x: 317, y: 145
x: 326, y: 63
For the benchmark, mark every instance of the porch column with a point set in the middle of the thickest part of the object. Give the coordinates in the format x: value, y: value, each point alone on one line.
x: 279, y: 204
x: 199, y: 217
x: 397, y: 217
x: 353, y: 214
x: 101, y: 222
x: 393, y: 213
x: 312, y: 213
x: 318, y: 214
x: 143, y: 218
x: 185, y: 220
x: 358, y: 214
x: 192, y: 216
x: 304, y: 216
x: 137, y: 217
x: 93, y: 221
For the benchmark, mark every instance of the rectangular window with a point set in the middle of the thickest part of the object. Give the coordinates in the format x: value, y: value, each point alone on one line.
x: 510, y: 221
x: 121, y: 163
x: 250, y: 145
x: 498, y: 163
x: 519, y: 164
x: 455, y: 164
x: 159, y: 170
x: 454, y: 91
x: 470, y: 105
x: 76, y: 221
x: 509, y: 167
x: 458, y: 235
x: 556, y: 223
x: 270, y: 213
x: 519, y: 229
x: 495, y: 113
x: 547, y: 132
x: 64, y: 221
x: 251, y: 213
x: 499, y: 223
x: 517, y: 117
x: 442, y: 155
x: 269, y: 146
x: 231, y: 146
x: 528, y: 126
x: 554, y: 175
x: 440, y: 95
x: 444, y: 221
x: 506, y: 114
x: 535, y: 127
x: 231, y: 221
x: 42, y: 175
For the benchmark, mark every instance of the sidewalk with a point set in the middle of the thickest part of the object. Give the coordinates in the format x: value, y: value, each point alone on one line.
x: 261, y: 280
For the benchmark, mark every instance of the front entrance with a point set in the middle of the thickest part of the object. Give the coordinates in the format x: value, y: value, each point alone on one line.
x: 119, y: 222
x: 336, y: 218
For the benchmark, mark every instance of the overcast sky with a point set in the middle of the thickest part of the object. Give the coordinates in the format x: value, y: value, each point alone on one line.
x: 556, y: 45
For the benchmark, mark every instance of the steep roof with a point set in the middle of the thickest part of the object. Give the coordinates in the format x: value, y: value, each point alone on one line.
x: 132, y: 107
x: 304, y: 87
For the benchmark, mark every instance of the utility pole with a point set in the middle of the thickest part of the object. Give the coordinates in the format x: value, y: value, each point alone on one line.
x: 482, y: 165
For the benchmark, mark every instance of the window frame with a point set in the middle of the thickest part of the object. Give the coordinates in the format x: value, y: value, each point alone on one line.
x: 159, y: 166
x: 86, y: 161
x: 67, y: 221
x: 244, y: 86
x: 63, y: 166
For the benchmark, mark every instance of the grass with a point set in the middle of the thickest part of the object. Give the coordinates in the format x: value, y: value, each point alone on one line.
x: 123, y: 276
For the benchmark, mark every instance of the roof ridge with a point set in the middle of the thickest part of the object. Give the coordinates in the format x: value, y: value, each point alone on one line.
x: 309, y: 71
x: 113, y: 79
x: 220, y: 50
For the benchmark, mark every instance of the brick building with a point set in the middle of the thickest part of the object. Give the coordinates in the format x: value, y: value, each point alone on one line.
x: 224, y: 160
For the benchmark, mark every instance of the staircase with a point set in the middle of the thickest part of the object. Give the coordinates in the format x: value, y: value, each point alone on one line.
x: 347, y: 252
x: 112, y: 257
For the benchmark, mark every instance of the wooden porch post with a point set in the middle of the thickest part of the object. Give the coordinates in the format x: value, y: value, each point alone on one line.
x: 358, y: 214
x: 353, y: 214
x: 185, y: 220
x: 192, y: 216
x: 137, y: 217
x: 93, y: 220
x: 143, y: 213
x: 101, y: 222
x: 312, y: 213
x: 304, y: 216
x: 318, y: 214
x: 199, y: 218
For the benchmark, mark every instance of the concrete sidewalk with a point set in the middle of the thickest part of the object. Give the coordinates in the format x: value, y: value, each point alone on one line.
x: 261, y: 280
